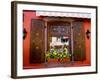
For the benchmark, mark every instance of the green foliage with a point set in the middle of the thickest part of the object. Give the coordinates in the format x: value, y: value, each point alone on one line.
x: 57, y: 55
x: 63, y: 55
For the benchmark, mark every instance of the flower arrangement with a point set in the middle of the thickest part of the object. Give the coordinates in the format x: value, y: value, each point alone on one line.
x: 59, y: 54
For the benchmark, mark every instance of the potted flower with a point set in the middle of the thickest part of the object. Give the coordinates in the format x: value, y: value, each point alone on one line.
x: 55, y: 55
x: 52, y: 56
x: 64, y: 56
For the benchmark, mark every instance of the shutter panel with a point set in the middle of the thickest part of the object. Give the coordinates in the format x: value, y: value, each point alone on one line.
x: 37, y: 43
x: 78, y: 41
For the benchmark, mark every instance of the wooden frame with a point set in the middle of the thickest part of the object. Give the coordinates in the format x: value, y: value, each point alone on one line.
x: 14, y: 39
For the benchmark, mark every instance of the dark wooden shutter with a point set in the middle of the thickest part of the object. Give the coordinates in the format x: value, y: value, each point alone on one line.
x: 37, y: 43
x: 78, y: 41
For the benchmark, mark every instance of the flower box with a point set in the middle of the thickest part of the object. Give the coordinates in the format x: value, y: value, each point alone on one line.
x: 64, y: 60
x: 52, y: 60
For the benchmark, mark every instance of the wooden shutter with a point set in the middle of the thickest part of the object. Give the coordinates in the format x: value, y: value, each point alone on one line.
x: 78, y: 41
x: 37, y: 43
